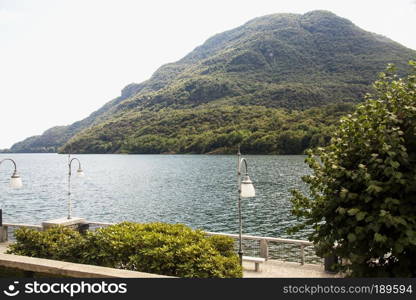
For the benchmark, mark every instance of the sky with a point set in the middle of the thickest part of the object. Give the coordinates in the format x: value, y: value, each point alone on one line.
x: 62, y: 59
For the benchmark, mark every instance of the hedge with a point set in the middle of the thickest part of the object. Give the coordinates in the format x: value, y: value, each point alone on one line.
x: 159, y: 248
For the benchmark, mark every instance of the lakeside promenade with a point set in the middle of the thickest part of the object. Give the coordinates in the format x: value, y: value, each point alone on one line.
x: 269, y: 269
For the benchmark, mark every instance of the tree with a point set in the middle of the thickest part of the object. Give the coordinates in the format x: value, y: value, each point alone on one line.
x: 362, y: 190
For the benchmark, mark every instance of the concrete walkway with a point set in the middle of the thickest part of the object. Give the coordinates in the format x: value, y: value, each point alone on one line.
x: 280, y: 269
x: 3, y: 247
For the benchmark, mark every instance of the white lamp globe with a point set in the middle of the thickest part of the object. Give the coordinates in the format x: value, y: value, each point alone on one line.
x: 247, y: 188
x: 80, y: 173
x: 16, y: 181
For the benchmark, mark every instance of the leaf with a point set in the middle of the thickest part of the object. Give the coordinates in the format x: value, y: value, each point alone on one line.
x: 380, y: 238
x: 395, y: 164
x: 343, y: 193
x: 351, y: 237
x: 372, y: 188
x: 360, y: 216
x: 352, y: 196
x: 341, y: 210
x: 353, y: 211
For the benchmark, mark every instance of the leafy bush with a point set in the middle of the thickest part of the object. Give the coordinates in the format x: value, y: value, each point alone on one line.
x: 158, y: 248
x: 223, y: 244
x: 363, y: 187
x: 59, y: 243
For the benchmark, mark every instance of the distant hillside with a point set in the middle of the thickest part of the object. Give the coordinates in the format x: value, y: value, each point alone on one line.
x: 254, y: 78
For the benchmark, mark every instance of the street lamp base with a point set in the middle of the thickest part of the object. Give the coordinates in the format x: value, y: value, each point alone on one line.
x: 63, y: 222
x: 240, y: 255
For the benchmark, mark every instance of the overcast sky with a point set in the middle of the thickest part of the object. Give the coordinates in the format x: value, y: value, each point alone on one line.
x: 62, y: 59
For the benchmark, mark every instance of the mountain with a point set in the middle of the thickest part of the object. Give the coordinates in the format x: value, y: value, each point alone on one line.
x: 258, y: 84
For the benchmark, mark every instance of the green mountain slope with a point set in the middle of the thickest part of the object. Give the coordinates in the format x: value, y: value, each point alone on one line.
x: 244, y: 83
x: 258, y: 129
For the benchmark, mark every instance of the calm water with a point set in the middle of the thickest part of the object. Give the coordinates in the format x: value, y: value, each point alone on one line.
x: 197, y: 190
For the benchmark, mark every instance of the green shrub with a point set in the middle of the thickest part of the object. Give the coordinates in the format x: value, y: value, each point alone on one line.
x: 363, y: 187
x: 59, y: 243
x: 223, y: 244
x: 159, y: 248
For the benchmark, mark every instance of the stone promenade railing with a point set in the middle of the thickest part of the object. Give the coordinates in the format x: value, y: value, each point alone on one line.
x: 267, y: 247
x: 276, y: 248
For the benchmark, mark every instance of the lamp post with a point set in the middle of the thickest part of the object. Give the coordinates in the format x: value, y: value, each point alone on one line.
x: 15, y: 182
x: 80, y: 173
x: 245, y: 190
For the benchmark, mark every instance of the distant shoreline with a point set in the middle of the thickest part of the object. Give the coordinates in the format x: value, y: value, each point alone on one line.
x: 211, y: 154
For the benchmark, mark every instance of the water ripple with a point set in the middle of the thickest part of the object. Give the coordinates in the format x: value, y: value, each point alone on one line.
x: 197, y: 190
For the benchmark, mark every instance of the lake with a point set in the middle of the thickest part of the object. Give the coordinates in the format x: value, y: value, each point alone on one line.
x: 196, y: 190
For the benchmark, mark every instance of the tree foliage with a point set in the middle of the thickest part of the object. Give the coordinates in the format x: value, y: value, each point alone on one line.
x: 212, y: 129
x: 362, y: 200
